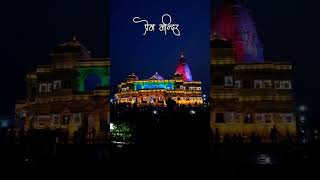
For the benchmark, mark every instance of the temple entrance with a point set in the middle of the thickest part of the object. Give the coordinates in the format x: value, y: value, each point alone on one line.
x: 88, y: 122
x: 85, y: 122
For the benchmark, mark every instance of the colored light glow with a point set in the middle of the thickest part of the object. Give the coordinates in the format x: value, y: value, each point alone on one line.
x: 4, y: 124
x: 101, y: 72
x: 153, y: 85
x: 184, y: 69
x: 233, y: 22
x: 302, y: 108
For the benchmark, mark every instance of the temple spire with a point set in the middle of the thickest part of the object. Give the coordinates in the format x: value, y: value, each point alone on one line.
x: 234, y: 23
x: 181, y: 54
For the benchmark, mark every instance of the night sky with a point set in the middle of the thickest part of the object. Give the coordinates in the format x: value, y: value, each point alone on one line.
x: 30, y: 30
x: 131, y: 52
x: 289, y: 30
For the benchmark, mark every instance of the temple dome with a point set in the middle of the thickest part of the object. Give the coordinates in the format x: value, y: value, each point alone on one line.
x: 73, y: 46
x: 177, y: 76
x: 132, y: 77
x: 156, y: 77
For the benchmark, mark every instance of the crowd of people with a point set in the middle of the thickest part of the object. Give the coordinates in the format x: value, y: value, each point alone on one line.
x: 13, y: 136
x: 20, y: 136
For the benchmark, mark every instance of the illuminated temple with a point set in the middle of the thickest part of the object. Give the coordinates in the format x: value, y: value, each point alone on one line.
x: 70, y: 93
x: 156, y: 90
x: 248, y: 94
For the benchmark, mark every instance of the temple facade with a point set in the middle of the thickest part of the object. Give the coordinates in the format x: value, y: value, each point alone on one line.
x: 70, y: 93
x: 156, y: 90
x: 248, y: 94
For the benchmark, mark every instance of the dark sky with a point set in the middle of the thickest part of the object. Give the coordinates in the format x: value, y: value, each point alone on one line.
x: 289, y: 30
x: 131, y: 52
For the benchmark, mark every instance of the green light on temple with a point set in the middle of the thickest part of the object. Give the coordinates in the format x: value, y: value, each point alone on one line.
x: 101, y: 77
x: 153, y: 85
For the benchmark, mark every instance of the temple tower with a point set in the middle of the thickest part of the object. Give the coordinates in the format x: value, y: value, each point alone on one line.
x: 234, y: 23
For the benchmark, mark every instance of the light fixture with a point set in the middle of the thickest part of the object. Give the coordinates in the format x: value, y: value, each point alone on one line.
x: 302, y: 108
x: 111, y: 127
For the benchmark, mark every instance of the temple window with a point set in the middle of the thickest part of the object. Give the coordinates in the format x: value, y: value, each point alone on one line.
x: 248, y: 119
x: 268, y: 117
x: 229, y: 117
x: 77, y: 118
x: 66, y: 120
x: 237, y: 84
x: 259, y: 118
x: 56, y: 119
x: 49, y: 87
x: 287, y: 84
x: 43, y: 87
x: 283, y: 84
x: 238, y: 118
x: 228, y: 81
x: 289, y: 117
x: 246, y: 84
x: 258, y: 84
x: 267, y: 84
x: 67, y: 84
x: 220, y: 118
x: 44, y: 120
x: 277, y: 85
x: 286, y: 117
x: 56, y: 85
x: 33, y: 91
